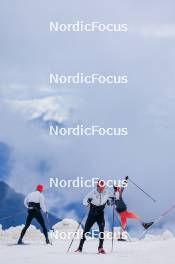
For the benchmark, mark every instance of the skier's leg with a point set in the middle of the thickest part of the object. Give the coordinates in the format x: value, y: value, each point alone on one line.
x: 101, y: 224
x: 123, y: 216
x: 132, y: 215
x: 89, y: 223
x: 28, y: 222
x: 40, y: 220
x: 126, y: 214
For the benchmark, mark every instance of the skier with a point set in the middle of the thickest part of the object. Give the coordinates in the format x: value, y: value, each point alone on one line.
x: 121, y: 209
x: 34, y: 201
x: 96, y: 201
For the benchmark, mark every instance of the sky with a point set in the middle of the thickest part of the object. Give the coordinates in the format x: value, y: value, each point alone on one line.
x: 29, y: 52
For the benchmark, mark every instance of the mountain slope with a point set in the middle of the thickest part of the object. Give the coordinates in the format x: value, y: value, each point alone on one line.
x: 12, y: 210
x: 5, y: 152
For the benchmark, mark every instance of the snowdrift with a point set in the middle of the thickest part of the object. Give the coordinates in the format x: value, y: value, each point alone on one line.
x: 152, y: 249
x: 164, y: 236
x: 65, y: 226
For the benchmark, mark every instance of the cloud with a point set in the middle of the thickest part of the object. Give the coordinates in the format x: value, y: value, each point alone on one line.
x: 160, y: 31
x: 51, y: 108
x: 142, y: 154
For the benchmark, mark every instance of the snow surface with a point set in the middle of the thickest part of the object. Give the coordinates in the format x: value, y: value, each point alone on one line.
x: 152, y: 249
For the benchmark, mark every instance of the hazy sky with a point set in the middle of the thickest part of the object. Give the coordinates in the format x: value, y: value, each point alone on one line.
x: 146, y: 105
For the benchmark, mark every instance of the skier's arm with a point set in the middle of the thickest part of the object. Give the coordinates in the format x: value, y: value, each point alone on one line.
x: 109, y: 198
x: 126, y: 181
x: 42, y: 204
x: 87, y: 199
x: 110, y: 201
x: 122, y: 189
x: 26, y: 202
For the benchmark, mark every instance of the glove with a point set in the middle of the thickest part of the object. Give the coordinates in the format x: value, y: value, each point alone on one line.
x: 89, y: 200
x: 109, y: 202
x: 112, y: 201
x: 126, y: 178
x: 115, y: 189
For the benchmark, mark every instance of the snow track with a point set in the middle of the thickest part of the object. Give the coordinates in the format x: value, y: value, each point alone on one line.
x: 150, y: 250
x: 142, y: 252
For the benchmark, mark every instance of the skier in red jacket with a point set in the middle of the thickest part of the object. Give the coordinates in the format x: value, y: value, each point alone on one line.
x: 121, y: 209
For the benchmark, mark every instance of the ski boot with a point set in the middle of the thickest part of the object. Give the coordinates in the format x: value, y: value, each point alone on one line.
x: 47, y: 241
x: 101, y: 251
x: 20, y: 242
x: 147, y: 225
x: 78, y: 250
x: 121, y: 239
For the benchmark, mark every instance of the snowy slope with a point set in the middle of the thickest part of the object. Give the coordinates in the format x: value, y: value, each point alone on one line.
x: 143, y: 252
x: 151, y: 250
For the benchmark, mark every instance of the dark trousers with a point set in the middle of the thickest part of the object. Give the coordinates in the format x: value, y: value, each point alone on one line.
x: 38, y: 216
x: 91, y: 220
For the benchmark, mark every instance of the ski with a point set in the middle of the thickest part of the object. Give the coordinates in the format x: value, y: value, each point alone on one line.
x: 16, y: 244
x: 157, y: 220
x: 122, y: 240
x: 128, y: 239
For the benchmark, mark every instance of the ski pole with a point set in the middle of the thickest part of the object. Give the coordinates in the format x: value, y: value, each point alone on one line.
x: 142, y: 190
x: 113, y: 212
x: 49, y: 226
x: 112, y: 229
x: 76, y: 232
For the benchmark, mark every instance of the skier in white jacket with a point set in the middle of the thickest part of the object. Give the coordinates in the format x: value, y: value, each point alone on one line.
x: 96, y: 200
x: 34, y: 201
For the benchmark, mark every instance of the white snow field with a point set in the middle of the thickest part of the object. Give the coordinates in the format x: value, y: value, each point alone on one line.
x: 151, y: 250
